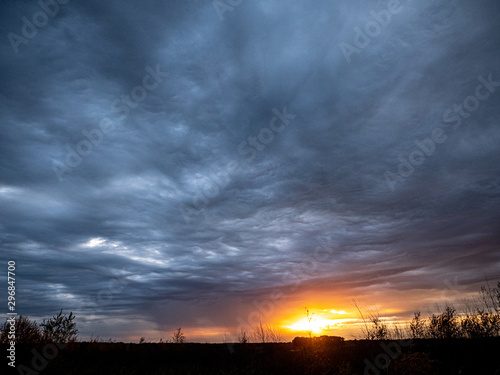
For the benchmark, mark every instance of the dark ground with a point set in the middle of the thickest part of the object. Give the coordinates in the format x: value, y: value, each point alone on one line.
x: 475, y: 357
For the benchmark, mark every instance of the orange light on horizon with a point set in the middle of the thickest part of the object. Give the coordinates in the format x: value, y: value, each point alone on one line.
x: 322, y: 320
x: 339, y: 312
x: 317, y: 326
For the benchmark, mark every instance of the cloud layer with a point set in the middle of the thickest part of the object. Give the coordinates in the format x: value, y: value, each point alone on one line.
x: 163, y: 166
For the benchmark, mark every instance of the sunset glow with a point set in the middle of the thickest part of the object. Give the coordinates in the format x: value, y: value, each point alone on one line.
x: 321, y: 322
x: 224, y: 167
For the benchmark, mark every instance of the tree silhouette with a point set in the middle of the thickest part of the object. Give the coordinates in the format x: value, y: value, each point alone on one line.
x: 309, y: 317
x: 444, y: 325
x: 264, y: 333
x: 27, y: 331
x: 242, y: 337
x: 178, y: 337
x: 417, y: 326
x: 378, y: 329
x: 60, y: 328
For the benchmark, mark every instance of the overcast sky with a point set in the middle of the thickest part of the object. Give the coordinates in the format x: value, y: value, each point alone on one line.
x: 173, y: 163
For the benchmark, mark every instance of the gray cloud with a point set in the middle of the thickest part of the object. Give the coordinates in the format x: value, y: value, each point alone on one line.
x: 156, y: 220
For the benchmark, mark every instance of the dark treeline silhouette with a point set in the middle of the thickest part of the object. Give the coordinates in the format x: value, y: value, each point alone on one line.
x: 474, y: 318
x: 452, y: 341
x: 303, y: 356
x: 61, y: 328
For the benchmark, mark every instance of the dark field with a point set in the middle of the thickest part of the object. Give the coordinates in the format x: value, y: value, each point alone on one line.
x: 467, y: 356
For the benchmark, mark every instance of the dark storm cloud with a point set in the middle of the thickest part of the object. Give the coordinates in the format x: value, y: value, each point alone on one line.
x: 171, y: 213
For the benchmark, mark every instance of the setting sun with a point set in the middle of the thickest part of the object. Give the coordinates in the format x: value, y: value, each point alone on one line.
x: 322, y: 320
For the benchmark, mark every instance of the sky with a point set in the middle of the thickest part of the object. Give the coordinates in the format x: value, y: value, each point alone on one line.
x: 210, y: 164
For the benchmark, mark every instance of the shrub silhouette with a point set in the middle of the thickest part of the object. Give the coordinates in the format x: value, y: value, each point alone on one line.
x: 178, y: 337
x: 373, y: 327
x: 27, y: 331
x: 417, y: 326
x: 242, y: 337
x: 479, y: 318
x: 379, y: 328
x: 482, y: 318
x: 60, y: 328
x: 481, y: 324
x: 264, y: 333
x: 444, y: 325
x: 491, y: 298
x: 309, y: 317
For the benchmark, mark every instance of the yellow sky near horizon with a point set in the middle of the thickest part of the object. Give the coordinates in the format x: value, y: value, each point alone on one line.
x: 335, y: 319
